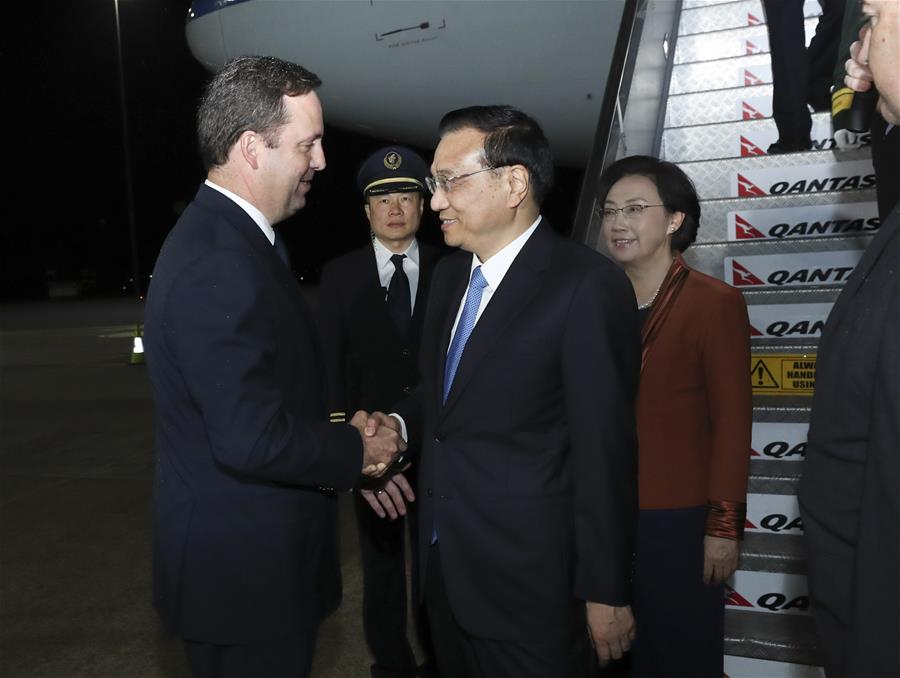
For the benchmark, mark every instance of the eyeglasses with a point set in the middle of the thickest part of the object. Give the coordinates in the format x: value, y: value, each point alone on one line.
x: 629, y: 212
x: 446, y: 184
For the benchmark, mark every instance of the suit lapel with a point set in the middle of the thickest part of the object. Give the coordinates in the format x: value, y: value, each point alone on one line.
x: 447, y: 295
x: 259, y: 244
x: 520, y: 285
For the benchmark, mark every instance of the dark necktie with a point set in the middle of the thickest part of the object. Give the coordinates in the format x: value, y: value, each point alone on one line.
x: 398, y: 297
x: 281, y: 251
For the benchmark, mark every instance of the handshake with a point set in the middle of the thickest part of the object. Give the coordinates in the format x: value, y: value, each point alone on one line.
x: 383, y: 446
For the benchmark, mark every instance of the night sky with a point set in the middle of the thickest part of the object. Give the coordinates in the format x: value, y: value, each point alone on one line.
x: 69, y: 217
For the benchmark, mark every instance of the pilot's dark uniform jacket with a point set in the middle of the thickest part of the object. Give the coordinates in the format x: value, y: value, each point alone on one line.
x: 371, y: 358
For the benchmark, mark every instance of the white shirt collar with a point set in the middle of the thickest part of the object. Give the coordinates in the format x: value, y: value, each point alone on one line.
x: 495, y: 268
x: 383, y: 254
x: 258, y: 217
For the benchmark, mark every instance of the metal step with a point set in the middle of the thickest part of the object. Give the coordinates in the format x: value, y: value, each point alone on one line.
x: 770, y: 552
x: 816, y: 262
x: 708, y: 18
x: 722, y: 105
x: 788, y: 217
x: 782, y: 638
x: 749, y: 667
x: 774, y: 593
x: 788, y: 174
x: 771, y: 468
x: 694, y: 4
x: 780, y: 482
x: 742, y: 71
x: 781, y: 408
x: 777, y: 323
x: 769, y: 410
x: 788, y: 315
x: 732, y: 42
x: 741, y: 138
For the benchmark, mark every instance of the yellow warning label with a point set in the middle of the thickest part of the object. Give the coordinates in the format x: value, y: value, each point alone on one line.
x: 783, y: 374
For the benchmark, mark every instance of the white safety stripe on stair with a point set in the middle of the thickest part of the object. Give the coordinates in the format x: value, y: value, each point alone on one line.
x: 773, y: 592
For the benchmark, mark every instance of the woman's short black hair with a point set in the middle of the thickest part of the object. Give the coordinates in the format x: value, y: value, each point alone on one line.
x: 675, y: 189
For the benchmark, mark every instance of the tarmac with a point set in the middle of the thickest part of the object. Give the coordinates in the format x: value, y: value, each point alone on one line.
x: 76, y: 467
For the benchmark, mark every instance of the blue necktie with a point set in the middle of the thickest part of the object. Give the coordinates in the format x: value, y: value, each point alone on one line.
x: 464, y: 327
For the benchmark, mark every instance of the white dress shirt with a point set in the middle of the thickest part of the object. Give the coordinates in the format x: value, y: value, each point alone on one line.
x: 493, y: 270
x: 258, y: 217
x: 386, y: 268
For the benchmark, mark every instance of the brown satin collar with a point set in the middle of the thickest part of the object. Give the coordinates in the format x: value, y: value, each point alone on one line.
x: 665, y: 299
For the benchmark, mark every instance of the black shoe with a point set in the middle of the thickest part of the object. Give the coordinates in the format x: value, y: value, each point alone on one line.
x: 789, y: 146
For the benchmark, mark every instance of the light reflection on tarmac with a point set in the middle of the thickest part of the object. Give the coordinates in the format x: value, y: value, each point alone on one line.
x: 76, y: 465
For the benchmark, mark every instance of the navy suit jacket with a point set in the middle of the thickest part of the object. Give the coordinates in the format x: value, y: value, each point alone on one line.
x: 529, y: 471
x: 245, y: 539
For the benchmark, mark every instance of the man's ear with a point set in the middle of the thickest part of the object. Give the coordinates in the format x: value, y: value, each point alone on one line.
x: 367, y: 210
x: 249, y: 143
x: 519, y: 182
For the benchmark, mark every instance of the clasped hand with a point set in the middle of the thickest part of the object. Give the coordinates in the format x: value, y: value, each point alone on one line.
x: 391, y: 498
x: 381, y: 441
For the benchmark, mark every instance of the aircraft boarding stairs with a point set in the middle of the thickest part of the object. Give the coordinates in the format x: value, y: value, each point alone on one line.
x: 786, y: 230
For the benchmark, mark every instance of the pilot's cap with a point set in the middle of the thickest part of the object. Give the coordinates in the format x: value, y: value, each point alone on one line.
x: 392, y: 169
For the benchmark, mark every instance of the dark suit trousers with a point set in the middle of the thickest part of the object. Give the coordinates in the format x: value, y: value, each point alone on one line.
x: 799, y: 74
x: 383, y: 549
x: 289, y: 657
x: 460, y: 655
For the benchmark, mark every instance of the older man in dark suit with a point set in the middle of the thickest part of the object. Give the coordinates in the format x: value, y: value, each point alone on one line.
x: 850, y: 491
x: 527, y: 481
x: 371, y: 306
x: 245, y: 543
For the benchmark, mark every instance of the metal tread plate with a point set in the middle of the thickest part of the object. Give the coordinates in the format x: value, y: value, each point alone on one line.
x: 740, y: 138
x: 788, y: 409
x: 788, y: 218
x: 708, y: 18
x: 720, y: 105
x: 784, y: 638
x: 717, y: 179
x: 731, y: 42
x: 755, y: 69
x: 771, y: 468
x: 782, y: 482
x: 826, y: 261
x: 762, y: 552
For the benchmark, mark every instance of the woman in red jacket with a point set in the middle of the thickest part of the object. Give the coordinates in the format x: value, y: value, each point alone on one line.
x: 694, y: 413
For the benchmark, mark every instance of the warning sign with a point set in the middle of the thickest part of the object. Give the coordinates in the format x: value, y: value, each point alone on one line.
x: 783, y: 374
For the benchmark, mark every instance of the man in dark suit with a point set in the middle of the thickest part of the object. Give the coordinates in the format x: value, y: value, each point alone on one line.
x: 801, y: 76
x: 371, y: 306
x: 850, y: 491
x: 245, y: 544
x: 527, y: 476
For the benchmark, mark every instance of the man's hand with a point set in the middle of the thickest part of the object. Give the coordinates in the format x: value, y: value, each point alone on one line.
x: 611, y: 630
x: 381, y: 440
x: 859, y: 76
x: 391, y: 499
x: 720, y: 559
